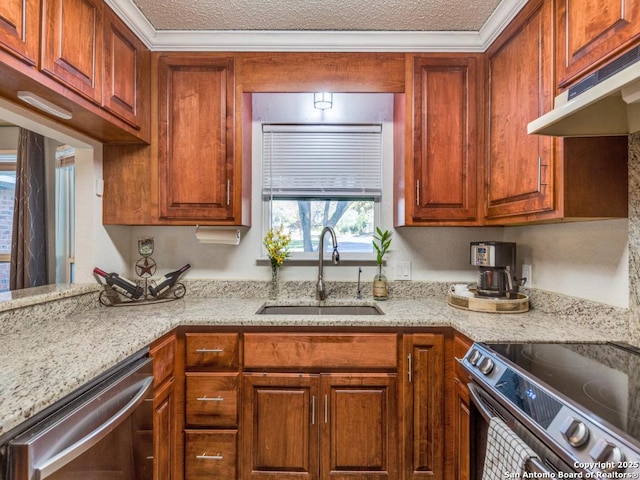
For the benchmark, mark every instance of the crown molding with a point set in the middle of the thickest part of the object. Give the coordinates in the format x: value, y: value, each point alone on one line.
x: 315, y: 41
x: 498, y: 21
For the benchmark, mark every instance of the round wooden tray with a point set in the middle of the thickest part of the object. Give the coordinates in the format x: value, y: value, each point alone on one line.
x: 475, y: 303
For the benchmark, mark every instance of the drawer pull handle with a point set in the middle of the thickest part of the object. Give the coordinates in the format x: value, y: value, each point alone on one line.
x: 204, y: 456
x: 207, y: 399
x: 209, y: 350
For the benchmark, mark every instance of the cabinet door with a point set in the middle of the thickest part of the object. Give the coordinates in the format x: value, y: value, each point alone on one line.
x: 424, y: 407
x: 19, y: 28
x: 124, y: 57
x: 444, y: 139
x: 280, y: 426
x: 462, y: 435
x: 359, y: 429
x: 164, y: 431
x: 520, y: 166
x: 72, y: 44
x: 196, y: 138
x: 592, y: 32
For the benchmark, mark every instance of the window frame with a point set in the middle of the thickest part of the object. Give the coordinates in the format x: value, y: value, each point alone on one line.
x: 8, y: 167
x: 311, y: 258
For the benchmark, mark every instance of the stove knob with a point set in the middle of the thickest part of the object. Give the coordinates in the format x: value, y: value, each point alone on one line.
x: 574, y: 432
x: 486, y: 365
x: 607, y: 453
x: 474, y: 356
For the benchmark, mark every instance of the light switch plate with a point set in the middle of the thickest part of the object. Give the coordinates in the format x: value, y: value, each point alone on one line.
x: 99, y: 187
x: 526, y: 273
x: 402, y: 270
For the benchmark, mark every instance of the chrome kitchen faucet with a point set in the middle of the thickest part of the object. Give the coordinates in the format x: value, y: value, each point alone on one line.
x: 321, y: 294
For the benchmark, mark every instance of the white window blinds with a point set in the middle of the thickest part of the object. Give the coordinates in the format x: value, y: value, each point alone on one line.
x: 320, y: 161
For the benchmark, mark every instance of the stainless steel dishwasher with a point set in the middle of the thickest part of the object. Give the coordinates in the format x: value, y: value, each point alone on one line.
x: 105, y: 433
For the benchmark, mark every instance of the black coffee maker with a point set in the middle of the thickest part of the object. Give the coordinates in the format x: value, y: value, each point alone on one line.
x: 497, y: 268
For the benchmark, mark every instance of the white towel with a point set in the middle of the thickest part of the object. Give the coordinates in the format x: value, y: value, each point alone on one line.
x: 506, y: 452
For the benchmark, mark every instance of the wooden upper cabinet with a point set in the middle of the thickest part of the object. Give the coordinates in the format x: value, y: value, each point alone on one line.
x: 441, y: 162
x: 72, y: 44
x: 196, y: 138
x: 592, y: 32
x: 125, y: 59
x: 20, y: 29
x: 520, y: 166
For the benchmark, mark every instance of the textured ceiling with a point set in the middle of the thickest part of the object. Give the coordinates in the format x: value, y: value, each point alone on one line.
x: 317, y: 15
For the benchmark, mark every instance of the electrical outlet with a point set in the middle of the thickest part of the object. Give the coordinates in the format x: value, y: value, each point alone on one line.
x: 403, y: 270
x: 526, y: 273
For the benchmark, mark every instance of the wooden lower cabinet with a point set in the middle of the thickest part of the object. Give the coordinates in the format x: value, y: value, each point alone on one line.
x: 359, y: 431
x: 280, y: 425
x: 462, y: 434
x: 164, y: 431
x: 163, y: 352
x: 424, y: 407
x: 210, y: 454
x: 319, y: 426
x: 264, y: 405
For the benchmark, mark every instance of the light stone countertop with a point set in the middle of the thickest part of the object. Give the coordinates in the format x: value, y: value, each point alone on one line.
x: 44, y: 359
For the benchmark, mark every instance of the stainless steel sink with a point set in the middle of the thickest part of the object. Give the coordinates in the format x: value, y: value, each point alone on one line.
x: 319, y: 310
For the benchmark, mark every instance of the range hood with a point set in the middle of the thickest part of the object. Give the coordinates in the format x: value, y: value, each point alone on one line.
x: 606, y: 102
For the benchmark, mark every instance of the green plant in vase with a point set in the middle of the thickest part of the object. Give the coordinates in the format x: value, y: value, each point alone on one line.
x: 381, y: 243
x: 277, y: 245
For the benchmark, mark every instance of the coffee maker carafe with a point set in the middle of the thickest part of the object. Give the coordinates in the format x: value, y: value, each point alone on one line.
x: 497, y: 267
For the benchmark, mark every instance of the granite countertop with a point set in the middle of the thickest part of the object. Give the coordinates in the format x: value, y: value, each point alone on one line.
x: 46, y: 357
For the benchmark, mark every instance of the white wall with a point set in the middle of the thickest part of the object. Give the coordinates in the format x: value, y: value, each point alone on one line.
x: 8, y: 138
x: 95, y: 245
x: 587, y: 260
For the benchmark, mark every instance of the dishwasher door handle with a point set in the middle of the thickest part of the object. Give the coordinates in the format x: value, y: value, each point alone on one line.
x: 50, y: 465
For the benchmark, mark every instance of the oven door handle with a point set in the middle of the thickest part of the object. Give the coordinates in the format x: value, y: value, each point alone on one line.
x: 55, y: 463
x: 475, y: 398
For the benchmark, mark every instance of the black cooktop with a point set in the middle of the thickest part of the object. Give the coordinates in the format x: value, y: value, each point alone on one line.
x: 602, y: 378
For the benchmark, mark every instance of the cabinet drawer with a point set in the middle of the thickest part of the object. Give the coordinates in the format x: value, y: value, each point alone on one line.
x: 210, y: 454
x: 212, y: 399
x: 212, y: 350
x: 317, y: 351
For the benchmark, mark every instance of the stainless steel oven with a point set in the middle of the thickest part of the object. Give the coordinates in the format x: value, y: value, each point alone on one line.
x: 103, y: 433
x: 576, y: 406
